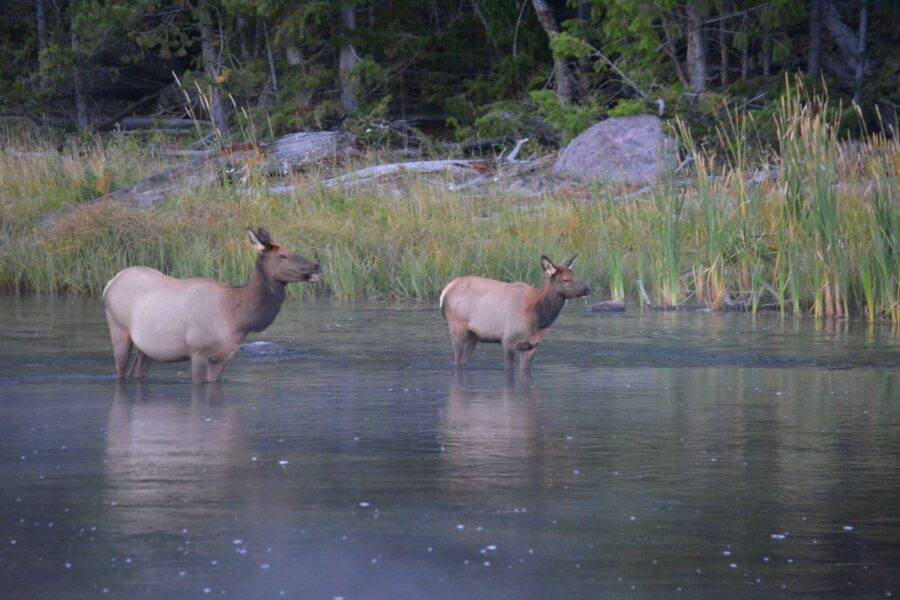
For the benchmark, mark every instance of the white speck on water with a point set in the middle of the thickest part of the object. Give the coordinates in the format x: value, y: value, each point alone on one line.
x: 284, y: 463
x: 779, y: 536
x: 68, y: 565
x: 790, y: 561
x: 364, y: 504
x: 264, y: 566
x: 237, y: 542
x: 478, y: 528
x: 726, y: 553
x: 487, y: 563
x: 430, y: 549
x: 182, y: 573
x: 12, y: 542
x: 576, y: 472
x: 338, y: 598
x: 848, y: 527
x: 765, y: 559
x: 491, y: 547
x: 253, y: 459
x: 105, y: 590
x: 531, y: 551
x: 460, y: 526
x: 128, y: 560
x: 374, y: 560
x: 206, y: 590
x: 184, y: 530
x: 733, y: 565
x: 632, y: 518
x: 113, y: 503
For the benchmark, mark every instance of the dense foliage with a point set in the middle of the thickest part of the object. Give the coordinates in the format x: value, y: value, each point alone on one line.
x: 394, y: 69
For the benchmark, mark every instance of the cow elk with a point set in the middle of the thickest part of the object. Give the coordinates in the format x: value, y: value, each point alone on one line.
x: 171, y: 320
x: 515, y: 315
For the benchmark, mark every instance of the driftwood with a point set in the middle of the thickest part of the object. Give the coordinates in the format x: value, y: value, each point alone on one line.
x: 160, y: 123
x: 297, y: 150
x: 282, y: 155
x: 147, y: 192
x: 460, y: 168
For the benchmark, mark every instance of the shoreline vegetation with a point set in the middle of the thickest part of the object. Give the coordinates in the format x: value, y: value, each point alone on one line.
x: 809, y: 227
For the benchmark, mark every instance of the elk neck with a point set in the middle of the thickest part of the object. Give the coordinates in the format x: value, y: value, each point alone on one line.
x: 258, y: 301
x: 547, y: 304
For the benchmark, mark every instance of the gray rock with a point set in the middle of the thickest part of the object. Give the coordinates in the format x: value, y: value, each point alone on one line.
x: 623, y: 150
x: 607, y: 306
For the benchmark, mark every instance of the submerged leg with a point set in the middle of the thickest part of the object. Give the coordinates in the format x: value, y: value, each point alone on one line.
x: 214, y: 370
x: 198, y: 368
x: 471, y: 342
x: 458, y: 338
x: 142, y: 364
x: 509, y: 355
x: 525, y: 359
x: 121, y: 342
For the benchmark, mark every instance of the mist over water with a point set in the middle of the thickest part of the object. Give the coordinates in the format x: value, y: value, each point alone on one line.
x: 711, y: 454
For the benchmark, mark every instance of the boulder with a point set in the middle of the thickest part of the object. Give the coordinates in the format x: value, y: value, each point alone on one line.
x: 622, y: 150
x: 606, y: 306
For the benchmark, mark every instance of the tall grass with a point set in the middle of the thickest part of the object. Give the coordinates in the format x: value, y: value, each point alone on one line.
x: 819, y: 236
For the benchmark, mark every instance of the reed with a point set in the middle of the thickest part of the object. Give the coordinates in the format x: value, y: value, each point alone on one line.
x: 819, y: 236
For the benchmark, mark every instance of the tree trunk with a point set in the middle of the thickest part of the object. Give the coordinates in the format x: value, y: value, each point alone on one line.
x: 861, y: 51
x: 841, y: 34
x: 211, y: 67
x: 696, y: 51
x: 81, y: 116
x: 723, y: 51
x: 270, y: 59
x: 813, y: 60
x: 565, y: 81
x: 766, y: 57
x: 745, y: 48
x: 348, y: 59
x: 243, y: 32
x: 40, y: 15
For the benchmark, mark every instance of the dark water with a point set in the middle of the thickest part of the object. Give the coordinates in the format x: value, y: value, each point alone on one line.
x: 713, y: 455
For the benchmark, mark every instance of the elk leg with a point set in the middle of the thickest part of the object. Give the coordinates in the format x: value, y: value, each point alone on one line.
x: 509, y: 355
x: 141, y: 365
x: 525, y: 359
x: 198, y: 368
x: 214, y: 370
x: 471, y: 342
x: 121, y: 343
x: 458, y: 337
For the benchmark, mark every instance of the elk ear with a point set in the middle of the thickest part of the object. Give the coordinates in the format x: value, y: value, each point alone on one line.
x: 548, y: 266
x: 254, y: 239
x: 571, y: 261
x: 264, y: 237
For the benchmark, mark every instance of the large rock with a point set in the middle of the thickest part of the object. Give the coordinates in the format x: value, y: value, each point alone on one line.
x: 622, y: 150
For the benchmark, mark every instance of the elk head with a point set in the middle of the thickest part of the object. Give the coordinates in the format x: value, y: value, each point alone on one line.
x: 562, y: 280
x: 279, y: 264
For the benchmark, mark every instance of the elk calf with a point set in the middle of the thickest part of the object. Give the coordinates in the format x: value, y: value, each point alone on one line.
x: 171, y: 320
x: 515, y: 315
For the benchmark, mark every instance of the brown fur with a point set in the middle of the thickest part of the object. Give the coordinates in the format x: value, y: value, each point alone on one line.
x: 171, y: 320
x: 515, y: 315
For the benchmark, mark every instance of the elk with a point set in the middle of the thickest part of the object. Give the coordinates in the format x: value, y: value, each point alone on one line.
x: 172, y: 320
x: 515, y: 315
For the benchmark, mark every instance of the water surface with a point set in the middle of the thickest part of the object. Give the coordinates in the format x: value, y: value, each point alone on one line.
x: 713, y: 455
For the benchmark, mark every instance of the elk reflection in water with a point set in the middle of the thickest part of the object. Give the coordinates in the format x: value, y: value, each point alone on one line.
x: 490, y: 434
x: 166, y: 453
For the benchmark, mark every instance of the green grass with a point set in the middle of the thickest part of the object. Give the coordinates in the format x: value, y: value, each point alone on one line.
x: 820, y: 238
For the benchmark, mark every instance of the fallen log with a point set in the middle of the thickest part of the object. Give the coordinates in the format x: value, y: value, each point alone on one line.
x: 297, y: 150
x: 147, y: 192
x: 160, y: 123
x: 460, y: 168
x: 283, y: 154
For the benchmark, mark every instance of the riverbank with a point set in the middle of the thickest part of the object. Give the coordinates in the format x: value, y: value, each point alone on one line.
x: 815, y: 234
